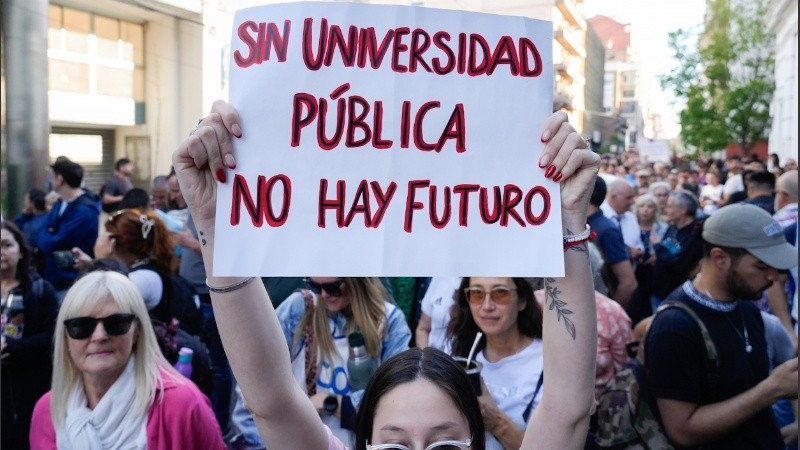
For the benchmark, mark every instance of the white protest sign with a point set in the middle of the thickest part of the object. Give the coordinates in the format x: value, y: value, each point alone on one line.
x: 388, y: 140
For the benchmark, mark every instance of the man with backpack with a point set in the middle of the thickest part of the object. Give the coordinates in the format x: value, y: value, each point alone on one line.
x: 743, y: 250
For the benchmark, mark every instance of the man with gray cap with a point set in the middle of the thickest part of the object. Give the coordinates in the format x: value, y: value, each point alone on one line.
x: 727, y: 407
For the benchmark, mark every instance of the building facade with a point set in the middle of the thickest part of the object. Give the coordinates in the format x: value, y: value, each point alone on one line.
x: 131, y: 79
x: 781, y: 19
x: 621, y: 84
x: 126, y: 79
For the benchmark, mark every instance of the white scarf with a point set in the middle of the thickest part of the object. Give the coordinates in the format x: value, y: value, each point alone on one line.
x: 112, y: 423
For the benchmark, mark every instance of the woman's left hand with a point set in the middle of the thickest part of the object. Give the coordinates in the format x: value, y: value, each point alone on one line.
x: 568, y: 159
x: 489, y: 410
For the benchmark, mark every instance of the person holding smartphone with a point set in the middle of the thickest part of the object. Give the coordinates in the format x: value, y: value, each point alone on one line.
x: 72, y: 222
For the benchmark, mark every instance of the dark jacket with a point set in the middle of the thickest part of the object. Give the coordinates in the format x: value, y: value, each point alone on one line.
x: 76, y: 227
x: 676, y: 256
x: 27, y: 368
x: 765, y: 202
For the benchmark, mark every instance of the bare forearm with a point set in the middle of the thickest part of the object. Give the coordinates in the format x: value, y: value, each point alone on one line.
x: 421, y: 338
x: 423, y: 331
x: 191, y: 244
x: 259, y: 357
x: 570, y: 343
x: 108, y: 198
x: 709, y: 422
x: 505, y: 430
x: 627, y: 282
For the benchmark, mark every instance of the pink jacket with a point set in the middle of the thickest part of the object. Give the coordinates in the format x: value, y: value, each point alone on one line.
x: 180, y: 418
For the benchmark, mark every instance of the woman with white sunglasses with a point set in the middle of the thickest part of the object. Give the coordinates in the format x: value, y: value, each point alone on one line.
x: 431, y: 404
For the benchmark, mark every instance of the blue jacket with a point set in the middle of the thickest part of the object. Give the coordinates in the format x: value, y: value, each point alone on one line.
x: 76, y: 227
x: 30, y: 224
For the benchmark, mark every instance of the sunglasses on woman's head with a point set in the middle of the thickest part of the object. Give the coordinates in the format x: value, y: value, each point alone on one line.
x: 334, y: 289
x: 82, y: 327
x: 500, y: 295
x: 441, y: 445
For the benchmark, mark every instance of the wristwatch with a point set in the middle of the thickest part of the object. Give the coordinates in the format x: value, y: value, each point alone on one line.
x: 330, y: 404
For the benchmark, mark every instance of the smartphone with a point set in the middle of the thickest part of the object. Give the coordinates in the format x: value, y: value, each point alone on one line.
x: 63, y: 258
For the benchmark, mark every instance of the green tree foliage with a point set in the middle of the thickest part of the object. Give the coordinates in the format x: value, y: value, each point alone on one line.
x: 725, y: 77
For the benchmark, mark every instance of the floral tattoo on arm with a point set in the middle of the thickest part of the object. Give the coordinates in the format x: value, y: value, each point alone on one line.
x: 552, y: 301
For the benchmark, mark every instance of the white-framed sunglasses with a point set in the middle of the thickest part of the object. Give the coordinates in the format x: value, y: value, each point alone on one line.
x: 441, y: 445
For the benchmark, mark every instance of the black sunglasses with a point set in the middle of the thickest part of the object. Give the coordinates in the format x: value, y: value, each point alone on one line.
x: 115, y: 325
x: 334, y: 289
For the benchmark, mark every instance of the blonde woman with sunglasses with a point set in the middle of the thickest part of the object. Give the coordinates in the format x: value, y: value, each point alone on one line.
x: 112, y: 388
x: 419, y: 399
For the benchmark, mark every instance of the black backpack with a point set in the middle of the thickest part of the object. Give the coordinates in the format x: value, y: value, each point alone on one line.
x: 185, y: 306
x: 179, y: 300
x: 171, y: 338
x: 178, y: 322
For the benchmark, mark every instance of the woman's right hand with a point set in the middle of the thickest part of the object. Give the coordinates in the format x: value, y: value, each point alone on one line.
x: 82, y: 260
x: 203, y: 158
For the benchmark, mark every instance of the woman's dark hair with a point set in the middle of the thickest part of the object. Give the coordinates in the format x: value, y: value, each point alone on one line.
x: 36, y: 197
x: 462, y: 328
x: 433, y: 365
x: 25, y: 263
x: 104, y: 264
x: 135, y: 198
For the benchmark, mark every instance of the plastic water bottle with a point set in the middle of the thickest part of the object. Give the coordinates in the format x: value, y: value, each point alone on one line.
x: 360, y: 364
x: 184, y: 364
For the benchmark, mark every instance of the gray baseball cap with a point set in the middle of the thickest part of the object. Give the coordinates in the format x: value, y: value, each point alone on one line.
x: 749, y: 227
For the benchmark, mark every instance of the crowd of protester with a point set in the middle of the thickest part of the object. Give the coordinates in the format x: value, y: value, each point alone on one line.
x: 653, y: 224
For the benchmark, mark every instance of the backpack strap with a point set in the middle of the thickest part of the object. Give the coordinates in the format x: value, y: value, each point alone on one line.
x: 712, y: 359
x: 527, y: 413
x: 311, y: 351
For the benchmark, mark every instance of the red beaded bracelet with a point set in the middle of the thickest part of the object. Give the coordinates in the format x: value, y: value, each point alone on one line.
x: 577, y: 239
x: 592, y: 235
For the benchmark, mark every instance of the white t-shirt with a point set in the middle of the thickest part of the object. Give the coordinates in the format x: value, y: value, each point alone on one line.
x: 628, y: 225
x: 713, y: 193
x: 436, y: 304
x: 512, y: 382
x: 733, y: 184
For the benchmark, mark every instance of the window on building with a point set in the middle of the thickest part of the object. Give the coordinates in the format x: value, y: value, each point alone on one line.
x: 81, y: 148
x: 95, y: 55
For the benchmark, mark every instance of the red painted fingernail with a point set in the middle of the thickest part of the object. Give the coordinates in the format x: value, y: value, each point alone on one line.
x: 550, y: 171
x: 221, y: 175
x: 558, y: 177
x: 544, y: 161
x: 229, y: 161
